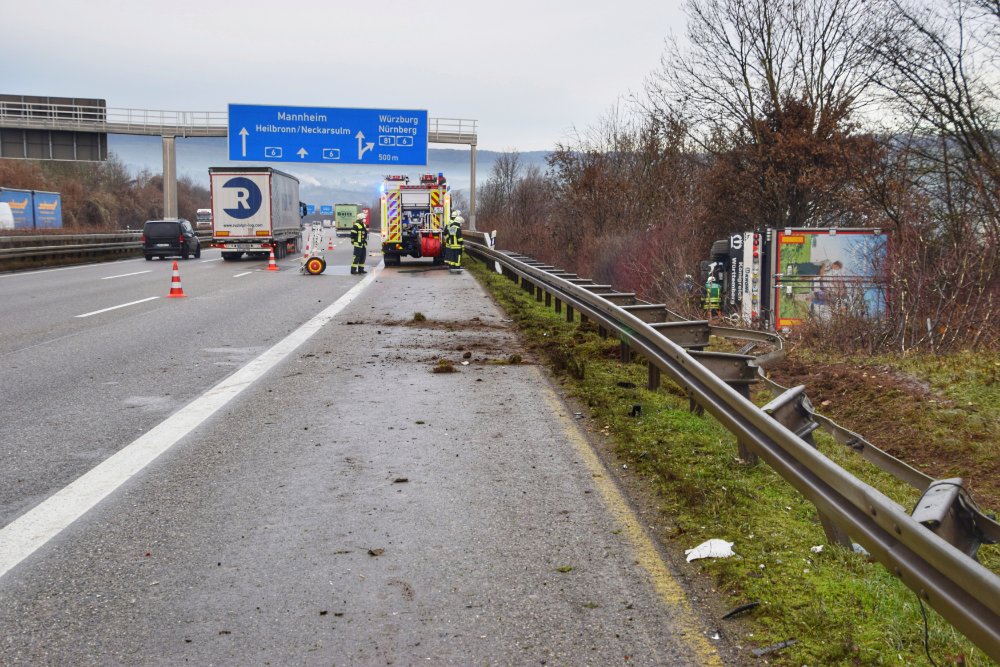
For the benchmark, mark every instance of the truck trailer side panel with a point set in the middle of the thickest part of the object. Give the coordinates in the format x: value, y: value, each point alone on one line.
x: 20, y: 206
x: 254, y: 209
x: 48, y: 210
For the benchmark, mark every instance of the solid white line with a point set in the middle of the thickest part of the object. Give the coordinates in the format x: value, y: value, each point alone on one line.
x: 130, y: 303
x: 29, y: 532
x: 124, y: 275
x: 245, y: 273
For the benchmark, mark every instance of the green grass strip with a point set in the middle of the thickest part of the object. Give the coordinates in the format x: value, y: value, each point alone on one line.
x: 841, y: 607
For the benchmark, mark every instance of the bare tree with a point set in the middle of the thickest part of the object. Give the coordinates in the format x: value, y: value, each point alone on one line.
x: 941, y: 67
x: 747, y: 57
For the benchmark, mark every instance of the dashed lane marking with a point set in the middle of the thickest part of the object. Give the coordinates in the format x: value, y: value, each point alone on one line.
x: 121, y: 305
x: 125, y: 275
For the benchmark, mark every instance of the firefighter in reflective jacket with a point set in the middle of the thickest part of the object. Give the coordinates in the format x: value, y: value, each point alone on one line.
x: 713, y: 297
x: 453, y: 242
x: 359, y: 239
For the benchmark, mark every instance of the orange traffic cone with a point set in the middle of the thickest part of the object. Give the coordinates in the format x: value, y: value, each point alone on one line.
x: 329, y: 245
x: 176, y: 290
x: 271, y: 266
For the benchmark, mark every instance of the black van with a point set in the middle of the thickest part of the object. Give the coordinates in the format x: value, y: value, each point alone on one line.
x: 161, y: 238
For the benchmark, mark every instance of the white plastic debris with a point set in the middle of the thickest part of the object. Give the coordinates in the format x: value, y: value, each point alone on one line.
x: 816, y: 549
x: 858, y: 549
x: 711, y: 549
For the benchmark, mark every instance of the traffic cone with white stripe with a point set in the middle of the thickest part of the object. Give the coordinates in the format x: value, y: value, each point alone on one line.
x: 176, y: 290
x: 271, y: 265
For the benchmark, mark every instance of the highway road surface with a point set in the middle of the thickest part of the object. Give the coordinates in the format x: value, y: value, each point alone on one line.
x: 269, y: 471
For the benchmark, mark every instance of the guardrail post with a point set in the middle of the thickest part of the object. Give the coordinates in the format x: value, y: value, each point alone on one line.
x: 602, y: 332
x: 538, y: 293
x: 548, y: 300
x: 558, y: 305
x: 569, y: 313
x: 625, y: 352
x: 653, y: 383
x: 583, y: 319
x: 743, y: 449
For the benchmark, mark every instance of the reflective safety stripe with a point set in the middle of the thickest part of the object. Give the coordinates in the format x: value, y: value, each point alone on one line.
x: 394, y: 218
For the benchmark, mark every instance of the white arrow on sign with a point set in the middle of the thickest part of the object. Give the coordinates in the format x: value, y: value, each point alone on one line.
x: 302, y: 153
x: 244, y: 133
x: 366, y: 147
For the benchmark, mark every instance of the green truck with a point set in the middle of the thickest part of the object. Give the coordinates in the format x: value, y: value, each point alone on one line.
x: 345, y: 215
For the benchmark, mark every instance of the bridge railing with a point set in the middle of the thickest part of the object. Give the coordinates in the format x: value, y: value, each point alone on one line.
x: 160, y: 122
x: 34, y: 115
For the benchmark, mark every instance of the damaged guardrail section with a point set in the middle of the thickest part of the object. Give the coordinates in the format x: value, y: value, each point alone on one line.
x: 932, y: 552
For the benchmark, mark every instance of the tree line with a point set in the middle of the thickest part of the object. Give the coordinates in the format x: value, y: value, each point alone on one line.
x: 102, y: 196
x: 792, y: 113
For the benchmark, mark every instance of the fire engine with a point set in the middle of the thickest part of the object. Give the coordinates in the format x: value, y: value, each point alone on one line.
x: 414, y: 217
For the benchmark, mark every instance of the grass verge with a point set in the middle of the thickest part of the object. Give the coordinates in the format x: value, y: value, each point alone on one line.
x: 842, y: 608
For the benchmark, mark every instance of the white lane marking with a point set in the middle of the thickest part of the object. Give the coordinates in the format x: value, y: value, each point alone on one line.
x: 130, y: 303
x: 125, y: 275
x: 206, y: 261
x: 30, y: 531
x: 245, y: 273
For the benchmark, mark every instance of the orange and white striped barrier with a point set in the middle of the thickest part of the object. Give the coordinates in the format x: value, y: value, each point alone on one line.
x: 176, y: 289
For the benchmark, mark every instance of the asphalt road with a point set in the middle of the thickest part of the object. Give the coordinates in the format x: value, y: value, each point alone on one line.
x: 322, y: 496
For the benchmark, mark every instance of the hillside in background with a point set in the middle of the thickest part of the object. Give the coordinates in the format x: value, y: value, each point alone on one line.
x: 320, y: 183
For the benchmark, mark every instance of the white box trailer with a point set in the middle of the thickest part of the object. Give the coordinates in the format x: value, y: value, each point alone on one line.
x: 254, y: 210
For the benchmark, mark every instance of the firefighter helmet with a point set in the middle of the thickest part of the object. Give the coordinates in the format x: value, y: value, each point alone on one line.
x: 455, y: 214
x: 361, y: 217
x: 458, y: 219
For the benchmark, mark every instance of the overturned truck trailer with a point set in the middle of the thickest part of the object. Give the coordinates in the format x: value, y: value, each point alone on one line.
x: 777, y: 278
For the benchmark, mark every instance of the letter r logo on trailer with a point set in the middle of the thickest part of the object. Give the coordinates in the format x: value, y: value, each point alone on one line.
x: 247, y: 196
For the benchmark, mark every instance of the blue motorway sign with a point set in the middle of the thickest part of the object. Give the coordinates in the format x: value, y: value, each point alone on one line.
x: 326, y: 210
x: 310, y: 209
x: 327, y: 136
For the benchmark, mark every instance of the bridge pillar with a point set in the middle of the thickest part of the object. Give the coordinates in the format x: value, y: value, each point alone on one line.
x: 472, y: 191
x: 169, y: 177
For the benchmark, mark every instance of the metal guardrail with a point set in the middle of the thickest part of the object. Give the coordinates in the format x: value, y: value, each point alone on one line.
x: 36, y: 251
x: 931, y: 552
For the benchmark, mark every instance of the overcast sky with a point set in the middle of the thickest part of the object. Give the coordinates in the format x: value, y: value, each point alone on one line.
x: 528, y: 71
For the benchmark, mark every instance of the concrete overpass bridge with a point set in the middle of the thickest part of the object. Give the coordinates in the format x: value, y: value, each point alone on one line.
x: 48, y: 120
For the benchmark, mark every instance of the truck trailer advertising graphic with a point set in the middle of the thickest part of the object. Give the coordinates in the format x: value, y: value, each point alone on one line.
x: 777, y: 278
x: 815, y: 270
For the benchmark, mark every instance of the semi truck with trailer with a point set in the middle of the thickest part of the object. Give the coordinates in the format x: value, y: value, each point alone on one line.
x: 33, y: 209
x: 254, y: 210
x: 414, y: 217
x: 344, y: 216
x: 203, y: 219
x: 777, y: 278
